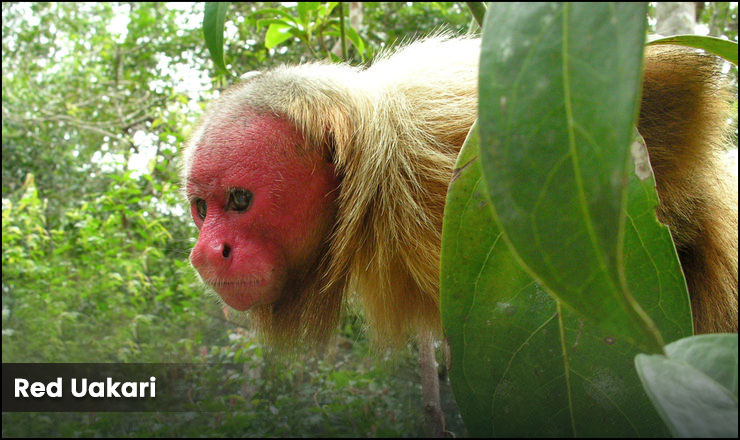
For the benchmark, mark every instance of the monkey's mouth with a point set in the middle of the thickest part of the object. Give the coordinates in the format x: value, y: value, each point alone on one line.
x: 242, y: 295
x: 252, y: 282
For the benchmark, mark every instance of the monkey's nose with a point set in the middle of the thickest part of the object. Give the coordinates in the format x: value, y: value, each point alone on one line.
x: 218, y: 250
x: 215, y: 253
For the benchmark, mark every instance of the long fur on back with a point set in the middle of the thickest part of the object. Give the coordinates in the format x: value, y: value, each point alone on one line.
x: 683, y: 119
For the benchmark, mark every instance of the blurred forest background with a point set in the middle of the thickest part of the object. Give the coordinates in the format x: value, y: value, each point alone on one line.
x: 97, y: 100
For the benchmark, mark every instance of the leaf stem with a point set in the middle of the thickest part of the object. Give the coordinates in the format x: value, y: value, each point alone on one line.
x: 343, y: 37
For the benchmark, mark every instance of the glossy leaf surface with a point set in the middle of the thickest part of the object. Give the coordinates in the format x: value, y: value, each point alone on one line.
x: 559, y: 89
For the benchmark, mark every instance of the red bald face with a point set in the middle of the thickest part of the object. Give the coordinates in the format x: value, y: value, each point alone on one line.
x: 263, y: 204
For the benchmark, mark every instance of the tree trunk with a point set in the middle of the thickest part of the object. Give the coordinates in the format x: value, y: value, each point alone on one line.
x: 675, y: 18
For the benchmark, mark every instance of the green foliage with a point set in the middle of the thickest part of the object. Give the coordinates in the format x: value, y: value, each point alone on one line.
x: 720, y: 17
x: 75, y: 91
x: 271, y: 33
x: 694, y: 386
x: 389, y: 23
x: 97, y: 287
x: 313, y: 23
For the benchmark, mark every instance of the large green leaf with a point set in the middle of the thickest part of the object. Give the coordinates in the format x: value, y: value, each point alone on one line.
x: 521, y: 364
x: 694, y: 386
x: 559, y: 90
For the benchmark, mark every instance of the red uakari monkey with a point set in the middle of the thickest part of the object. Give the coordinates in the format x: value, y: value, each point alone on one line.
x: 315, y: 182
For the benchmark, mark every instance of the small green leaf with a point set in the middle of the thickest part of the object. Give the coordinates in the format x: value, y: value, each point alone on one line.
x: 326, y: 8
x: 356, y: 40
x: 724, y: 48
x: 715, y: 355
x: 268, y: 21
x: 304, y: 11
x: 694, y: 387
x: 213, y: 32
x: 274, y: 11
x: 277, y: 33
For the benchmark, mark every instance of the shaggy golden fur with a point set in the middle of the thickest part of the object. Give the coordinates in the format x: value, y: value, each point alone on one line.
x: 393, y: 132
x: 683, y: 119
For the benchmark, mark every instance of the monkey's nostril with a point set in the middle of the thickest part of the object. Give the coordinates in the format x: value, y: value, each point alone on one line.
x: 227, y: 251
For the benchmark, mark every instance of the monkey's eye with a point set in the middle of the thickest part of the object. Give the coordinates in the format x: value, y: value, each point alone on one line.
x: 240, y: 199
x: 200, y: 206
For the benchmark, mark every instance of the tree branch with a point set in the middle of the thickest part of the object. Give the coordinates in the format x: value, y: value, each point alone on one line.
x: 434, y: 418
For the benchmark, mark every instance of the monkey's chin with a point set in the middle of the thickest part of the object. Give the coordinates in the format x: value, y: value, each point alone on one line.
x: 243, y: 295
